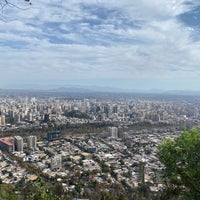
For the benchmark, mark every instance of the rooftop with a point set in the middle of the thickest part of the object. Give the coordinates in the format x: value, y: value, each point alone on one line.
x: 7, y: 140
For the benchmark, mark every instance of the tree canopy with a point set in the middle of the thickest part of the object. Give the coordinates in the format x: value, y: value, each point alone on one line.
x: 181, y: 159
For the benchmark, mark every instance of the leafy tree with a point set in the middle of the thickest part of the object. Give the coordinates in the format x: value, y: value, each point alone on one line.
x: 7, y: 192
x: 105, y: 168
x: 58, y: 190
x: 181, y: 159
x: 106, y: 196
x: 144, y: 191
x: 76, y: 114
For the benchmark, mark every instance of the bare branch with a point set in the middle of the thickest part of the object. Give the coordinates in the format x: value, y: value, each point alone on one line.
x: 7, y: 3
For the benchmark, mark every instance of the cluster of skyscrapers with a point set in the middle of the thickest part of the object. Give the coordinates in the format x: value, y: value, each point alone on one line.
x: 16, y: 143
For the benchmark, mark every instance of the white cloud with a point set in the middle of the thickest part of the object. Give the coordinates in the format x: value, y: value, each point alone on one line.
x: 115, y: 39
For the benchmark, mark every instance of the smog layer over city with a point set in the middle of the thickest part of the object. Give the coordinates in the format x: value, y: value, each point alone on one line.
x: 99, y: 100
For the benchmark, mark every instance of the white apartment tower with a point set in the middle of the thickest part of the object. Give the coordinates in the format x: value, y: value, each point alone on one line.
x: 113, y: 132
x: 32, y: 142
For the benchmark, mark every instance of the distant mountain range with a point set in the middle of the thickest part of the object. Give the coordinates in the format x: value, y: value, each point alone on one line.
x: 96, y: 89
x: 119, y: 90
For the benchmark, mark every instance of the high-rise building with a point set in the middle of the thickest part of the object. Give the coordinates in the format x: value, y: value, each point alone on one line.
x: 17, y: 118
x: 3, y: 120
x: 115, y: 109
x: 107, y: 110
x: 46, y: 117
x: 54, y: 135
x: 32, y: 142
x: 120, y: 132
x: 30, y: 116
x: 56, y: 162
x: 18, y: 142
x: 113, y: 132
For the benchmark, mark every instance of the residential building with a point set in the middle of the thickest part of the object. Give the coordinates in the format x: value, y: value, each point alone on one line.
x: 18, y: 142
x: 32, y: 142
x: 56, y: 162
x: 113, y: 132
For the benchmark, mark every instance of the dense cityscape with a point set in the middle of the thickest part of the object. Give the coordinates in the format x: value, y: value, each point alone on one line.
x: 91, y: 144
x: 99, y: 100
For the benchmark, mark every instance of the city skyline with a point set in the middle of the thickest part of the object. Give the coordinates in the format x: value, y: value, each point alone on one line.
x: 140, y: 45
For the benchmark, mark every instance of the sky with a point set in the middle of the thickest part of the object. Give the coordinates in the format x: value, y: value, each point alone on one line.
x: 129, y: 44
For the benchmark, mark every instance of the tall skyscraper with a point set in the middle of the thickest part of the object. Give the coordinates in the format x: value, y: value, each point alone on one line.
x: 32, y: 142
x: 18, y: 142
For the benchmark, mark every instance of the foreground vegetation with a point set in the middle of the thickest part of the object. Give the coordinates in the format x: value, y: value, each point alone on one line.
x: 181, y: 158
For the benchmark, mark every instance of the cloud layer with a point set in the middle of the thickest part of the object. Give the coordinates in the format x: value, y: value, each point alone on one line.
x: 90, y: 41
